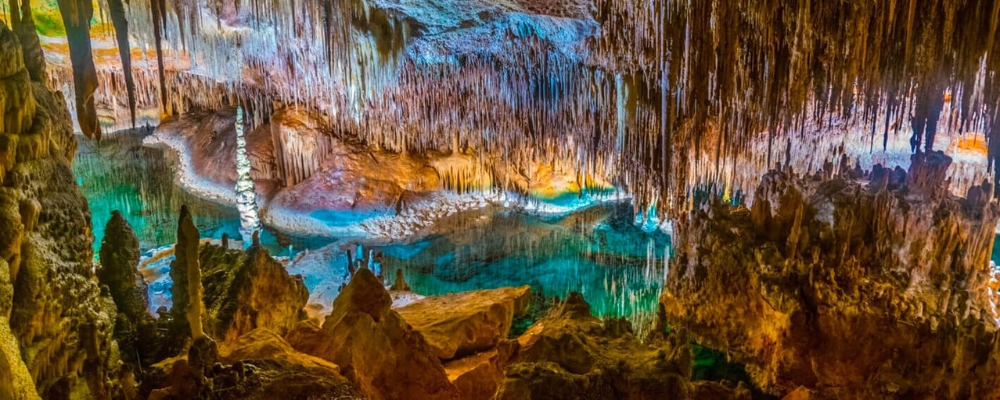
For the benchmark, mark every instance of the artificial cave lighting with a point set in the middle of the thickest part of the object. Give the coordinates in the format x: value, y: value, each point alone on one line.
x: 485, y: 199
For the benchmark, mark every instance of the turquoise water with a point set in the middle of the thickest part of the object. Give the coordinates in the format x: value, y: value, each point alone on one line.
x: 599, y: 251
x: 120, y: 174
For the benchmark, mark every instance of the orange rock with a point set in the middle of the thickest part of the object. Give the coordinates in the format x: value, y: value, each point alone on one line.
x: 478, y: 376
x: 376, y: 349
x: 459, y: 324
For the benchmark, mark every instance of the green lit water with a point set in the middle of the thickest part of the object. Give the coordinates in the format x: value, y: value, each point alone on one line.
x: 598, y: 252
x: 120, y: 174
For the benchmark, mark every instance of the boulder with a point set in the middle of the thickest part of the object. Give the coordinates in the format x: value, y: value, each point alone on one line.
x: 460, y: 324
x: 376, y: 349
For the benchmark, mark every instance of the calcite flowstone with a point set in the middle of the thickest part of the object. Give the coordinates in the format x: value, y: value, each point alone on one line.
x: 375, y: 348
x: 842, y: 288
x: 459, y: 324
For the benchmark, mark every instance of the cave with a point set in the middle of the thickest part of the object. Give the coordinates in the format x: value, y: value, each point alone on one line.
x: 485, y: 199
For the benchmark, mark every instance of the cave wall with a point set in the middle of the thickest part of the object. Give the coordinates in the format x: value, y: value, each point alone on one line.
x: 858, y: 285
x: 55, y: 326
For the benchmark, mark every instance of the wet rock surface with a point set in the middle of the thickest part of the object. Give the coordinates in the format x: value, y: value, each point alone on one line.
x: 844, y: 288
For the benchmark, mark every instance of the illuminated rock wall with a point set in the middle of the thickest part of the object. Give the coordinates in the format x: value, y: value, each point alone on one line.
x: 55, y: 327
x: 857, y: 285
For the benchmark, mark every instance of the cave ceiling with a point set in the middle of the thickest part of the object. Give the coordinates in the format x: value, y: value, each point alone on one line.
x: 660, y: 96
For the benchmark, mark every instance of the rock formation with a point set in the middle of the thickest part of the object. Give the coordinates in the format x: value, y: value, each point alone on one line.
x: 55, y: 329
x: 185, y: 257
x: 76, y: 16
x: 457, y: 325
x: 282, y: 372
x: 479, y: 375
x: 374, y: 347
x: 850, y: 289
x: 570, y: 354
x: 135, y: 329
x: 248, y: 290
x: 259, y: 366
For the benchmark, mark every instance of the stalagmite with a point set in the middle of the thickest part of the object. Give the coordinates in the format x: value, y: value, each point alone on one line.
x: 195, y: 305
x: 134, y: 328
x: 247, y: 195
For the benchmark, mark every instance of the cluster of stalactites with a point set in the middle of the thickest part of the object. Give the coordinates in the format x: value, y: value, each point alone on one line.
x: 669, y: 95
x: 877, y: 63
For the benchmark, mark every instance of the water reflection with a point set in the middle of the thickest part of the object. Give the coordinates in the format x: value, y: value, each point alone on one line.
x: 120, y: 174
x: 599, y: 252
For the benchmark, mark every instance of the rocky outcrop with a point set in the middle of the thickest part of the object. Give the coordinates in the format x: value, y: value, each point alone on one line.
x: 259, y: 366
x: 58, y: 335
x: 282, y: 372
x: 479, y: 375
x: 248, y: 290
x: 570, y: 354
x: 848, y: 288
x: 374, y: 347
x: 135, y: 330
x: 457, y: 325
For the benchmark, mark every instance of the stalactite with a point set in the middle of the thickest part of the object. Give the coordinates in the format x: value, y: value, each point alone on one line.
x: 76, y: 15
x: 117, y: 10
x: 158, y: 10
x: 23, y: 25
x: 660, y: 98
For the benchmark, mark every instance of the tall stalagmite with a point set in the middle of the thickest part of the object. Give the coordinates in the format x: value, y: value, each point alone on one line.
x: 180, y: 329
x: 135, y: 329
x: 191, y: 241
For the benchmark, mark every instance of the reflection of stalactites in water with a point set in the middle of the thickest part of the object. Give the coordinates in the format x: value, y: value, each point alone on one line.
x: 120, y: 174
